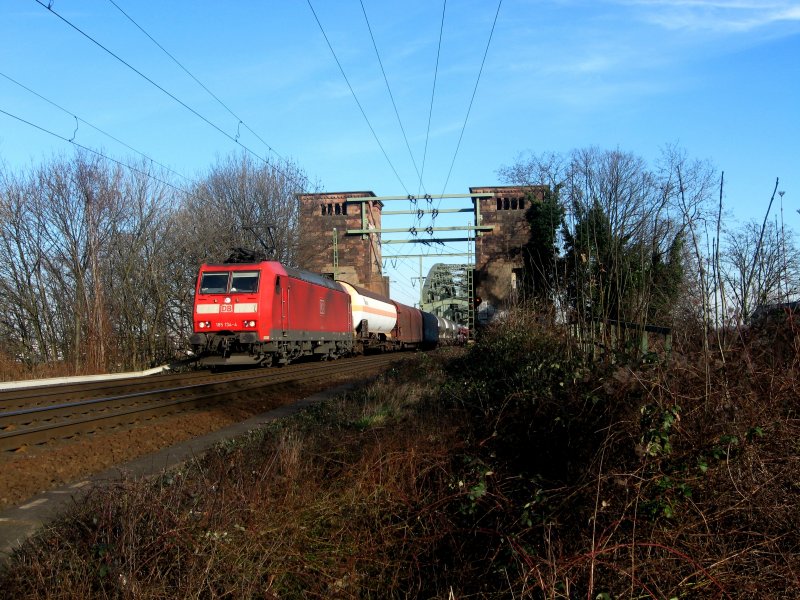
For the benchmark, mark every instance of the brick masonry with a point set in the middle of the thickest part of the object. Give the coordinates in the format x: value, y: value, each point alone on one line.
x: 359, y: 255
x: 498, y: 255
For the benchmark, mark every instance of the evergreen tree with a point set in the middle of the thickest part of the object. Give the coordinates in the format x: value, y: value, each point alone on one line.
x: 541, y: 254
x: 589, y: 263
x: 667, y: 278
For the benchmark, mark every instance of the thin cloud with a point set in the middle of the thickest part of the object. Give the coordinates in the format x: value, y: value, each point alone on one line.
x: 720, y: 16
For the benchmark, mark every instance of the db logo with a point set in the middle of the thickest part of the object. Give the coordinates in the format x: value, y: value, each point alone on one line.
x: 226, y: 308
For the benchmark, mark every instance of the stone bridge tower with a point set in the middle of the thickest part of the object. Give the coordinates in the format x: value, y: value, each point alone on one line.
x: 498, y: 255
x: 325, y: 246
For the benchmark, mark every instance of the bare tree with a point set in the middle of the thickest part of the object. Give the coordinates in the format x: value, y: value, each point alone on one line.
x: 760, y: 266
x: 640, y: 233
x: 56, y: 221
x: 620, y: 235
x: 689, y: 186
x: 79, y: 253
x: 138, y: 258
x: 27, y: 325
x: 240, y: 200
x: 97, y: 262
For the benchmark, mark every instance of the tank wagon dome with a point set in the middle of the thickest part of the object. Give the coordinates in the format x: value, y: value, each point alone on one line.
x: 447, y: 328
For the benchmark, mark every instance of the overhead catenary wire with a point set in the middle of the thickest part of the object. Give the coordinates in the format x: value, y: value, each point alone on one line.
x: 469, y: 108
x: 433, y: 94
x: 235, y: 138
x: 84, y: 121
x: 472, y: 99
x: 389, y: 89
x: 200, y: 83
x: 355, y: 97
x: 393, y: 257
x: 413, y: 229
x: 95, y: 152
x: 49, y: 8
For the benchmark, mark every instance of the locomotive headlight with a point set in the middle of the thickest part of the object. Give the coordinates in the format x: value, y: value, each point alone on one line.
x: 201, y: 325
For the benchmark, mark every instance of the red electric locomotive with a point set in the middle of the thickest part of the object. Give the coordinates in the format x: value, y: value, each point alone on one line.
x: 249, y: 311
x: 264, y: 313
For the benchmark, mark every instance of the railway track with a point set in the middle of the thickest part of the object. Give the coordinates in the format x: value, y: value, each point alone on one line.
x: 43, y: 415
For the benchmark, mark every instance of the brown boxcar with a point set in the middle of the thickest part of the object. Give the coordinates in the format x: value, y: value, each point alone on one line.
x: 408, y: 329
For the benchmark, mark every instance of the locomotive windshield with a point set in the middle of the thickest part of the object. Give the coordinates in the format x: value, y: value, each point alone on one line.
x: 244, y: 281
x: 214, y: 283
x: 240, y: 281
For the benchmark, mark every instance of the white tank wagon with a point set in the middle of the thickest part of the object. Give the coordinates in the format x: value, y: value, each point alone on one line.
x: 373, y: 317
x: 445, y: 328
x: 448, y: 330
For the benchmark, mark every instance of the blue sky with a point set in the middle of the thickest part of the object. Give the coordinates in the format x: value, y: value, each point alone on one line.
x: 720, y: 78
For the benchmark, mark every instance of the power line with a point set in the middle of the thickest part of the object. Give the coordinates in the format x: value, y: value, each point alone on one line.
x: 399, y: 120
x: 200, y: 83
x: 162, y: 89
x: 474, y: 91
x: 352, y: 91
x: 391, y: 96
x: 93, y: 151
x: 145, y: 77
x: 433, y: 93
x: 472, y: 99
x: 77, y: 118
x: 404, y: 261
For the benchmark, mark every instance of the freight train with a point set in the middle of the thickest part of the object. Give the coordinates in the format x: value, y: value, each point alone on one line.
x: 263, y: 313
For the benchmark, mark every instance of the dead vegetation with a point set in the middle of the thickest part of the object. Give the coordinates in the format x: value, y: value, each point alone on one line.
x: 517, y: 469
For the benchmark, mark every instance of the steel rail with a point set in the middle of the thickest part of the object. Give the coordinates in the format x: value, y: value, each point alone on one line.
x: 40, y: 424
x: 23, y: 398
x: 42, y: 395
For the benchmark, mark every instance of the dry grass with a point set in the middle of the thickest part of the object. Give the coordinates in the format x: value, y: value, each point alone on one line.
x: 518, y: 469
x: 324, y: 505
x: 634, y: 480
x: 14, y: 370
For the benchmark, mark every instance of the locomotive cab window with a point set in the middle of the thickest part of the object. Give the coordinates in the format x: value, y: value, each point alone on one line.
x: 244, y: 281
x: 214, y: 283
